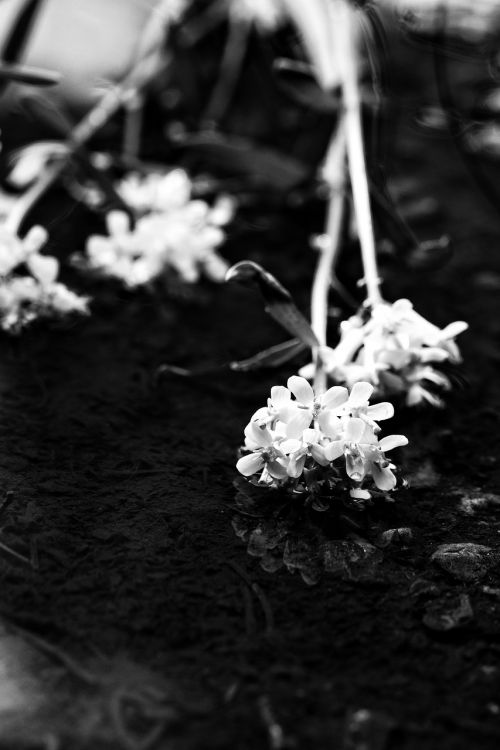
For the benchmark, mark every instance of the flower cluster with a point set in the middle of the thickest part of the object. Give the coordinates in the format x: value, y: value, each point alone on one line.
x: 394, y: 348
x: 171, y: 232
x: 24, y: 298
x: 291, y: 437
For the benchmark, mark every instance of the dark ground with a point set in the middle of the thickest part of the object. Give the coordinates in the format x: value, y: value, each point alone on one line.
x: 142, y: 622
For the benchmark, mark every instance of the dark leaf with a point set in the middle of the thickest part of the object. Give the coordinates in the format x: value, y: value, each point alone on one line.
x: 388, y: 218
x: 260, y: 165
x: 18, y: 36
x: 297, y: 81
x: 272, y: 357
x: 279, y: 302
x: 29, y: 75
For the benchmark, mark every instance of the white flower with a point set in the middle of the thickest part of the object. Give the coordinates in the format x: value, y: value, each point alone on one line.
x: 266, y: 453
x: 23, y: 299
x: 364, y: 453
x: 308, y: 407
x: 14, y: 250
x: 297, y: 450
x: 266, y: 14
x: 155, y: 191
x: 172, y: 232
x: 282, y: 444
x: 394, y: 348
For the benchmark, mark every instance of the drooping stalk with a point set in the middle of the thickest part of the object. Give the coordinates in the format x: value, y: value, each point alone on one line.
x: 146, y: 64
x: 344, y: 36
x: 329, y: 246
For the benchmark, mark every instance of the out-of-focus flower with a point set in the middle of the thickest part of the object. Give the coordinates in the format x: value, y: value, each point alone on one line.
x: 172, y: 232
x: 336, y: 433
x: 394, y: 348
x: 24, y: 299
x: 14, y: 250
x: 266, y: 14
x: 156, y: 191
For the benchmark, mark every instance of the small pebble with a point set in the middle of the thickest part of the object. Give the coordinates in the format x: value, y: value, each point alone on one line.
x: 465, y: 561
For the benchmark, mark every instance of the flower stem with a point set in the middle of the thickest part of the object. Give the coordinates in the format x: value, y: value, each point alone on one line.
x: 344, y: 34
x: 329, y: 247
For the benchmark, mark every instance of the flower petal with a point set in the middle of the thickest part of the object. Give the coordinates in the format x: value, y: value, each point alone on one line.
x: 334, y: 397
x: 251, y: 464
x: 280, y: 396
x: 319, y: 455
x: 383, y: 478
x: 454, y: 329
x: 360, y: 394
x: 296, y: 466
x: 358, y: 494
x: 330, y: 424
x: 298, y: 424
x: 301, y: 389
x: 433, y: 354
x: 259, y: 434
x: 310, y: 436
x: 392, y: 441
x: 334, y: 450
x: 307, y: 371
x: 261, y: 415
x: 383, y: 410
x: 292, y: 445
x: 276, y: 469
x: 355, y: 467
x: 354, y: 430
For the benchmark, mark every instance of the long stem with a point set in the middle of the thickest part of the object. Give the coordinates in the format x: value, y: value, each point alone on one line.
x: 129, y: 89
x: 345, y: 43
x: 334, y: 173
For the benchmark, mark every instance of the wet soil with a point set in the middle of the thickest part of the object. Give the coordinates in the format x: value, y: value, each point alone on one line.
x: 133, y: 616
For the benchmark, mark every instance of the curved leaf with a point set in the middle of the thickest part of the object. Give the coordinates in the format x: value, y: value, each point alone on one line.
x: 279, y: 301
x: 260, y: 165
x: 272, y: 357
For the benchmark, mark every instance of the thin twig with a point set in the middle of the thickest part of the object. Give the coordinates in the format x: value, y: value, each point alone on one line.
x: 15, y: 555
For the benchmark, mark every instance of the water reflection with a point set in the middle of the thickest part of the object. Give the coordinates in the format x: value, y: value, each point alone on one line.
x: 346, y: 541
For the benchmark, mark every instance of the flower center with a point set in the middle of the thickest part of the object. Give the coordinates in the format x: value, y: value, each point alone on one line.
x: 270, y: 454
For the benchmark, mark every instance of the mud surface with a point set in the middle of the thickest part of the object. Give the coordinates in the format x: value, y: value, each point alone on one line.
x: 133, y: 615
